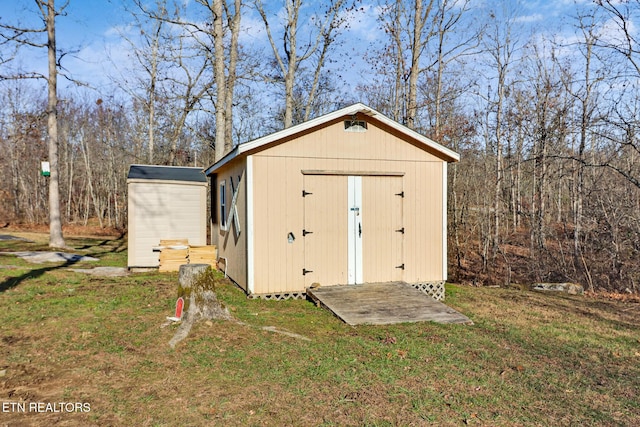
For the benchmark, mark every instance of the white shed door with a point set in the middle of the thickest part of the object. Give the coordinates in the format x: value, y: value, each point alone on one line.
x: 353, y: 231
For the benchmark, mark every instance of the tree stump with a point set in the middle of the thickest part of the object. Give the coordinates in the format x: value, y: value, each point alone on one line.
x: 197, y: 288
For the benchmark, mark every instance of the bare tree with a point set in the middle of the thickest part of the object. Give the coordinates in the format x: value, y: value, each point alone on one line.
x: 410, y: 28
x: 295, y: 52
x: 29, y: 37
x: 625, y: 42
x: 387, y: 92
x: 448, y: 21
x: 421, y: 36
x: 225, y: 63
x: 583, y: 88
x: 501, y: 45
x: 150, y: 57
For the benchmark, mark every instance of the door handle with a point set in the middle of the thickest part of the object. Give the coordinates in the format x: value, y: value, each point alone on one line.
x: 359, y: 229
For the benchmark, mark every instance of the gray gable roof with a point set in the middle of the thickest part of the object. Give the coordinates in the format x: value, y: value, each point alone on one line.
x: 166, y: 173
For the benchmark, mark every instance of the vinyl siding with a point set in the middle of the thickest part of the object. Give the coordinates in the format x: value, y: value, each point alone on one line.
x: 279, y: 206
x: 159, y: 210
x: 233, y: 246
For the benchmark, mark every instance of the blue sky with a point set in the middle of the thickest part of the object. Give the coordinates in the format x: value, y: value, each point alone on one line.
x: 89, y: 28
x: 85, y: 30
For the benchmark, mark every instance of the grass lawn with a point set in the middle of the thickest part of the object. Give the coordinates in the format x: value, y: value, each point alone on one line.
x: 529, y: 359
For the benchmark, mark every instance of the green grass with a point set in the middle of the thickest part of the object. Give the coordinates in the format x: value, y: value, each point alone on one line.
x: 529, y: 359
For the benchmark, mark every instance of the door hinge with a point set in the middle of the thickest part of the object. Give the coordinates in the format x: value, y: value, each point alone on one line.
x: 305, y: 271
x: 401, y: 267
x: 400, y: 231
x: 305, y: 232
x: 401, y: 194
x: 305, y: 193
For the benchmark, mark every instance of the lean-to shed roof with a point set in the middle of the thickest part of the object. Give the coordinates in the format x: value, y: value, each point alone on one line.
x: 263, y: 142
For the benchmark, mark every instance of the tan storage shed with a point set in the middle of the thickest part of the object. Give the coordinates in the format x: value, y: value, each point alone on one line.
x: 164, y: 203
x: 350, y: 197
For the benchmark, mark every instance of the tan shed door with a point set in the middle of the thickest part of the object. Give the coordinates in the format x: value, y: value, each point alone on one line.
x: 353, y: 229
x: 382, y: 229
x: 325, y: 229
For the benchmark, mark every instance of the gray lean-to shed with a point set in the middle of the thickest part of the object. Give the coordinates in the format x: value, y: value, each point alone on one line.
x: 164, y: 203
x: 347, y: 198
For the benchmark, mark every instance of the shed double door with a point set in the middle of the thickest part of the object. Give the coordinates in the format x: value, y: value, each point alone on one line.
x: 353, y: 229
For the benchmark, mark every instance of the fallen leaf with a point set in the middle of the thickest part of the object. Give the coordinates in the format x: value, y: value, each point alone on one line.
x: 389, y: 340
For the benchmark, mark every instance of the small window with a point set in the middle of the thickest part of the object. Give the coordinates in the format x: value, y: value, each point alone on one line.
x: 223, y: 204
x: 355, y: 126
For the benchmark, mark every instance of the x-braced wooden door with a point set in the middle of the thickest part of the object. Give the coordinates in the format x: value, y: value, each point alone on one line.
x: 353, y: 229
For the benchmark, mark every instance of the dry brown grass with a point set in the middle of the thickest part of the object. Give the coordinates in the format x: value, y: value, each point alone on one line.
x: 530, y: 358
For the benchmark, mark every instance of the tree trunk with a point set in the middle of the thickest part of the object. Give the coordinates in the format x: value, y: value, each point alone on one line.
x: 234, y: 26
x: 220, y: 78
x: 56, y: 239
x: 416, y: 50
x: 198, y: 290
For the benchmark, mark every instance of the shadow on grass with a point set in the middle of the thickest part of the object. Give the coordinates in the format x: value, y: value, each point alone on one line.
x: 107, y: 246
x: 12, y: 282
x: 120, y: 240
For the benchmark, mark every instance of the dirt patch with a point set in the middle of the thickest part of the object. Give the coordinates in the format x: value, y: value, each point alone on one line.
x: 76, y: 230
x: 103, y: 271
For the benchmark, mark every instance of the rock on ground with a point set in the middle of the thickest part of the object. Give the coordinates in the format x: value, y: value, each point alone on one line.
x: 42, y: 257
x: 569, y: 288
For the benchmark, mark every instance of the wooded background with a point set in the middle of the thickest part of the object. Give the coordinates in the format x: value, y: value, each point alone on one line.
x: 548, y: 188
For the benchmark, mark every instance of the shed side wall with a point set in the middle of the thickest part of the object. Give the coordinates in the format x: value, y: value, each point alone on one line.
x: 231, y: 245
x: 163, y: 210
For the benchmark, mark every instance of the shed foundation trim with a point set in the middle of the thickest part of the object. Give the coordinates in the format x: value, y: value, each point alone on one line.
x: 434, y: 289
x: 282, y: 296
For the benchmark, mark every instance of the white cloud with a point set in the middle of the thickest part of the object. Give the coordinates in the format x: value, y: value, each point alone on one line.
x: 362, y: 23
x: 536, y: 17
x: 610, y: 32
